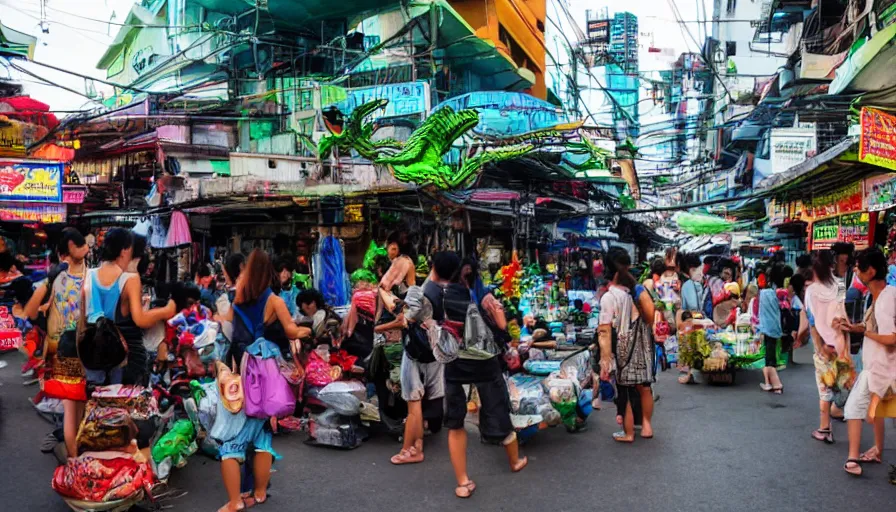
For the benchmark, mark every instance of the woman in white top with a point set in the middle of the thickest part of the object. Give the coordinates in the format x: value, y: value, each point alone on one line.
x: 878, y: 377
x: 633, y: 360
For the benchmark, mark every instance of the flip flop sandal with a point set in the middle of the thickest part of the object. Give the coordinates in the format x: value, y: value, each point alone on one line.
x: 620, y: 437
x: 855, y: 470
x: 520, y: 465
x: 468, y: 489
x: 826, y: 436
x: 777, y: 391
x: 407, y: 457
x: 867, y: 458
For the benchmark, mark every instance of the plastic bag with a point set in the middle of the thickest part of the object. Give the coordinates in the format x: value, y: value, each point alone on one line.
x: 526, y: 394
x: 355, y: 387
x: 345, y: 404
x: 178, y: 444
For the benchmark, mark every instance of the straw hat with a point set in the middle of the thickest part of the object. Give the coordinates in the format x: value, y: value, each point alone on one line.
x: 230, y: 388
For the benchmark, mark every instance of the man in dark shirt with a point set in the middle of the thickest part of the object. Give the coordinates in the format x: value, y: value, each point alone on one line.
x: 486, y: 374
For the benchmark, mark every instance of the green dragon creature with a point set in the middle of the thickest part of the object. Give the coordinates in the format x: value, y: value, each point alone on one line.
x: 354, y: 133
x: 421, y: 159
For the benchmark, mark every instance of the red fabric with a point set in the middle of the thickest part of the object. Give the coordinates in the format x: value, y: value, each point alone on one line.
x: 101, y: 480
x: 343, y: 360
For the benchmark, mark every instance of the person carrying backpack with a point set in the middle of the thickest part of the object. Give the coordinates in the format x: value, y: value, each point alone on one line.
x: 476, y: 362
x: 422, y: 377
x: 256, y: 313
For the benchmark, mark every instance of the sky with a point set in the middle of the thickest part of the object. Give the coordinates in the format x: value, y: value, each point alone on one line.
x: 77, y: 34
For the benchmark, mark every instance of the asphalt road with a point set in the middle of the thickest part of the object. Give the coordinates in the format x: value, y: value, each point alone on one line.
x: 716, y: 448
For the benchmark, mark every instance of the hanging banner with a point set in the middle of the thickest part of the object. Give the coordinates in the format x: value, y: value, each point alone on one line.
x: 877, y: 145
x: 855, y: 229
x: 848, y: 199
x: 31, y: 181
x: 31, y: 212
x: 880, y: 192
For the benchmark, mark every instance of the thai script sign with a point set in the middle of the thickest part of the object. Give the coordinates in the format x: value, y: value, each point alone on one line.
x: 31, y: 212
x: 405, y: 99
x: 845, y: 200
x: 853, y: 228
x: 877, y: 145
x: 31, y: 181
x: 825, y: 233
x: 880, y: 192
x: 790, y: 146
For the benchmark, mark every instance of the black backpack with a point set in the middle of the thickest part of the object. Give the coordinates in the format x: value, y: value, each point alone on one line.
x: 416, y: 343
x: 102, y: 347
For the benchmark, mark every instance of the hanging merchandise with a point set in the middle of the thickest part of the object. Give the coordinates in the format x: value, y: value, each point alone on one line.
x: 143, y: 228
x: 330, y: 276
x: 159, y: 233
x: 178, y: 230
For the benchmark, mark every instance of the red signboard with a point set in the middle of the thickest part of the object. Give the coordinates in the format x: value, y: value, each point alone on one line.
x: 877, y: 145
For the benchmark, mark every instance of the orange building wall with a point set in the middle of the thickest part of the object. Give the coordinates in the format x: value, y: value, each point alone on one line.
x: 522, y: 19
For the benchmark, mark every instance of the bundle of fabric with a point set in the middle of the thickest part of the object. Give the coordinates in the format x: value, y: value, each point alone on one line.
x: 102, y: 479
x: 138, y: 400
x: 105, y: 428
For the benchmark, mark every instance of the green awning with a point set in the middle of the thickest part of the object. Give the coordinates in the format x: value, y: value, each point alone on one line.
x: 16, y: 44
x: 293, y: 13
x: 869, y: 68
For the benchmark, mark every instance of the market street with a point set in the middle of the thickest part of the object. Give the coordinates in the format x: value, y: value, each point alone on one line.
x: 717, y: 448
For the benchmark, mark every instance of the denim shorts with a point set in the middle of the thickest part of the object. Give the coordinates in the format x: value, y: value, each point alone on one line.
x: 105, y: 377
x: 254, y: 433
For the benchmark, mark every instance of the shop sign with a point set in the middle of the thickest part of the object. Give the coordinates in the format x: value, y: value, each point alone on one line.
x: 31, y: 212
x: 877, y: 145
x: 354, y: 213
x: 31, y: 181
x: 73, y: 194
x: 791, y: 146
x: 855, y: 228
x: 880, y: 192
x: 825, y: 233
x: 780, y: 213
x: 846, y: 200
x: 405, y: 99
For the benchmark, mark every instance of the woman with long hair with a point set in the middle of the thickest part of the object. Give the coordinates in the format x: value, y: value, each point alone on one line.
x: 255, y: 309
x: 626, y: 314
x: 821, y: 306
